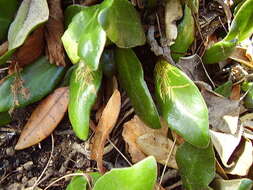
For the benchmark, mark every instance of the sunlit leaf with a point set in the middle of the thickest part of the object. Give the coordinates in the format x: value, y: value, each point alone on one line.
x: 141, y: 176
x: 181, y: 104
x: 122, y: 24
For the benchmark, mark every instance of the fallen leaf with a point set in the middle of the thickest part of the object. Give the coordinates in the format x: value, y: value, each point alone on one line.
x: 173, y: 12
x: 223, y: 112
x: 244, y: 162
x: 54, y: 32
x: 143, y: 141
x: 31, y: 49
x: 44, y: 118
x: 158, y: 146
x: 240, y: 55
x: 105, y: 125
x: 225, y: 144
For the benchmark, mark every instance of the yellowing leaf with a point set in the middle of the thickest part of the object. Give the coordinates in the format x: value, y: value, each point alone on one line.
x: 44, y: 118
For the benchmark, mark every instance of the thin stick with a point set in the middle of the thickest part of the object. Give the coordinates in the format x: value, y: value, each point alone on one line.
x: 120, y: 152
x: 168, y: 158
x: 70, y: 175
x: 50, y: 158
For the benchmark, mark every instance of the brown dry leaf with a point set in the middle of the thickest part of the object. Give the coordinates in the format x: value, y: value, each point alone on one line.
x: 54, y: 32
x: 44, y: 118
x: 159, y: 146
x: 240, y: 55
x: 223, y: 112
x: 143, y: 141
x: 173, y: 12
x: 3, y: 48
x: 105, y: 125
x: 32, y: 48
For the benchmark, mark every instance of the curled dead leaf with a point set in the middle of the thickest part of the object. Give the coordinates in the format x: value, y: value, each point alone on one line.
x: 32, y: 48
x: 44, y: 118
x: 244, y: 162
x: 105, y: 125
x: 225, y: 144
x: 142, y: 141
x: 54, y: 32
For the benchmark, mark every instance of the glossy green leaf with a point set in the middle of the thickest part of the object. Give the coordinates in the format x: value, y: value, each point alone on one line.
x: 185, y: 35
x: 196, y: 166
x: 7, y: 12
x: 5, y: 118
x: 92, y: 42
x: 235, y: 184
x: 30, y: 15
x: 122, y: 24
x: 225, y: 89
x: 219, y: 51
x: 84, y: 85
x: 85, y: 39
x: 33, y: 83
x: 241, y: 26
x: 131, y: 78
x: 181, y: 104
x: 80, y: 182
x: 141, y: 176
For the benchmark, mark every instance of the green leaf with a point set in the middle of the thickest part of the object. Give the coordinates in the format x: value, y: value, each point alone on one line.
x: 196, y: 166
x: 122, y: 24
x: 7, y: 11
x: 225, y: 89
x: 181, y: 104
x: 31, y: 14
x: 236, y: 184
x: 185, y: 36
x: 84, y: 85
x: 80, y: 182
x: 220, y: 51
x: 92, y: 42
x: 248, y: 100
x: 85, y: 39
x: 141, y: 176
x: 241, y: 27
x: 33, y: 83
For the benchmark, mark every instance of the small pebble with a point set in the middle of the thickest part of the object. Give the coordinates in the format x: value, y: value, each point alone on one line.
x: 10, y: 151
x: 28, y: 165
